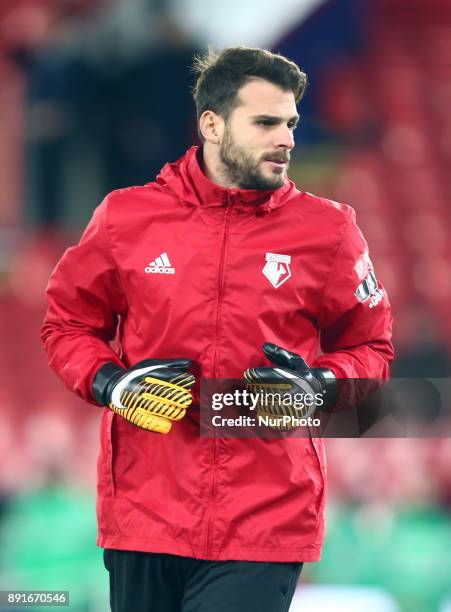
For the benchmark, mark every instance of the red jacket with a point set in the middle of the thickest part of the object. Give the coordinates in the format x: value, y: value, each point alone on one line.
x: 208, y: 299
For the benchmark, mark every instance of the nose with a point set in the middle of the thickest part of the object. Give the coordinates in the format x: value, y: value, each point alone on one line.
x: 285, y: 138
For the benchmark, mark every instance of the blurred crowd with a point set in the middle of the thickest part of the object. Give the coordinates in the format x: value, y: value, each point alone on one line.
x: 105, y: 86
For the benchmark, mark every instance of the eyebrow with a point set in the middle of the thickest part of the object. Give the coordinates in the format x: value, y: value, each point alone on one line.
x: 275, y: 118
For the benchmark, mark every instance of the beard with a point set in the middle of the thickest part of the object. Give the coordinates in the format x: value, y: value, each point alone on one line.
x: 243, y: 170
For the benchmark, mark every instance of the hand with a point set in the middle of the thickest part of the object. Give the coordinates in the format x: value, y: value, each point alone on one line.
x: 151, y: 394
x: 292, y: 389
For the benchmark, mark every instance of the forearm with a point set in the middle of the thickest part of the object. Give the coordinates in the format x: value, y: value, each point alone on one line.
x: 359, y: 371
x: 371, y: 360
x: 76, y: 356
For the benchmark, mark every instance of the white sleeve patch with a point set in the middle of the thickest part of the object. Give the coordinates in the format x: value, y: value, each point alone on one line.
x: 376, y: 298
x: 367, y: 287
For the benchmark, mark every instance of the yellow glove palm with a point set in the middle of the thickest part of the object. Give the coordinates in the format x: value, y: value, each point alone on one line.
x: 151, y: 394
x: 153, y: 403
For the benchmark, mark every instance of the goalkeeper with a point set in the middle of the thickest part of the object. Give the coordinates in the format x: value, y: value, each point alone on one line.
x: 188, y: 276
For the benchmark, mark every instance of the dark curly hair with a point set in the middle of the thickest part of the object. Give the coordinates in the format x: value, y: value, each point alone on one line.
x: 219, y: 76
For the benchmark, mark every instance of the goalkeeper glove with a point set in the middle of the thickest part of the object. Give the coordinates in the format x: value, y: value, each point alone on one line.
x: 151, y: 394
x: 316, y: 386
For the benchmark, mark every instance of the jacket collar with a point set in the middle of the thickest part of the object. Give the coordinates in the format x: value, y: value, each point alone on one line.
x: 187, y: 179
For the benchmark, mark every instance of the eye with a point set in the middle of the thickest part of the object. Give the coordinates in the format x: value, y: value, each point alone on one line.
x: 266, y: 122
x: 292, y: 125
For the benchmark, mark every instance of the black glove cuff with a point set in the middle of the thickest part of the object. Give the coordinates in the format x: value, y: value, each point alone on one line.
x: 330, y: 387
x: 104, y: 381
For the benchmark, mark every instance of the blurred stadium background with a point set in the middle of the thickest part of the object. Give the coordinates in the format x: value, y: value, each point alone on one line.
x: 94, y: 95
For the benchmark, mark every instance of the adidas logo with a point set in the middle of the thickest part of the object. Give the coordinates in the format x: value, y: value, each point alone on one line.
x: 160, y: 265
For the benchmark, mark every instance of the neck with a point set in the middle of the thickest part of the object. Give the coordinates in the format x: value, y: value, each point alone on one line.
x: 214, y: 168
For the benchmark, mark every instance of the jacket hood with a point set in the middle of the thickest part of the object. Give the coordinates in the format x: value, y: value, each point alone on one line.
x: 187, y: 180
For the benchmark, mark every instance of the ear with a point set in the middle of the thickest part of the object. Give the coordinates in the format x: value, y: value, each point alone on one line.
x: 211, y: 126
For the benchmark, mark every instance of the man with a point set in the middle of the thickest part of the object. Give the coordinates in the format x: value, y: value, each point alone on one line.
x: 193, y: 273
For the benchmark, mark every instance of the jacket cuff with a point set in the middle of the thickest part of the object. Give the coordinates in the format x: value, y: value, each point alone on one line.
x: 104, y: 380
x: 330, y: 387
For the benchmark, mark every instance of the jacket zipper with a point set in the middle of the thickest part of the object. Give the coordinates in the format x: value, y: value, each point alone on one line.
x: 215, y: 362
x: 221, y: 280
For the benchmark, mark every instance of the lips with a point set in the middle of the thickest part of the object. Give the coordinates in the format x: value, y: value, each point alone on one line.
x: 278, y: 163
x: 277, y: 160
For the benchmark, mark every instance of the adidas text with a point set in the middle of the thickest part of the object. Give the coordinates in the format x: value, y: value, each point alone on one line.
x: 159, y: 270
x: 161, y: 265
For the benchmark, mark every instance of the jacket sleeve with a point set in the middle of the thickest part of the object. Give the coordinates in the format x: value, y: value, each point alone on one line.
x: 355, y: 317
x: 85, y: 301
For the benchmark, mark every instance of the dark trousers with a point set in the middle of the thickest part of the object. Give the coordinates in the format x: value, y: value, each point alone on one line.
x: 157, y: 582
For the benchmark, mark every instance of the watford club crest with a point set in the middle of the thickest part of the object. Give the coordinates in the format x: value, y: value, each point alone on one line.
x: 277, y: 269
